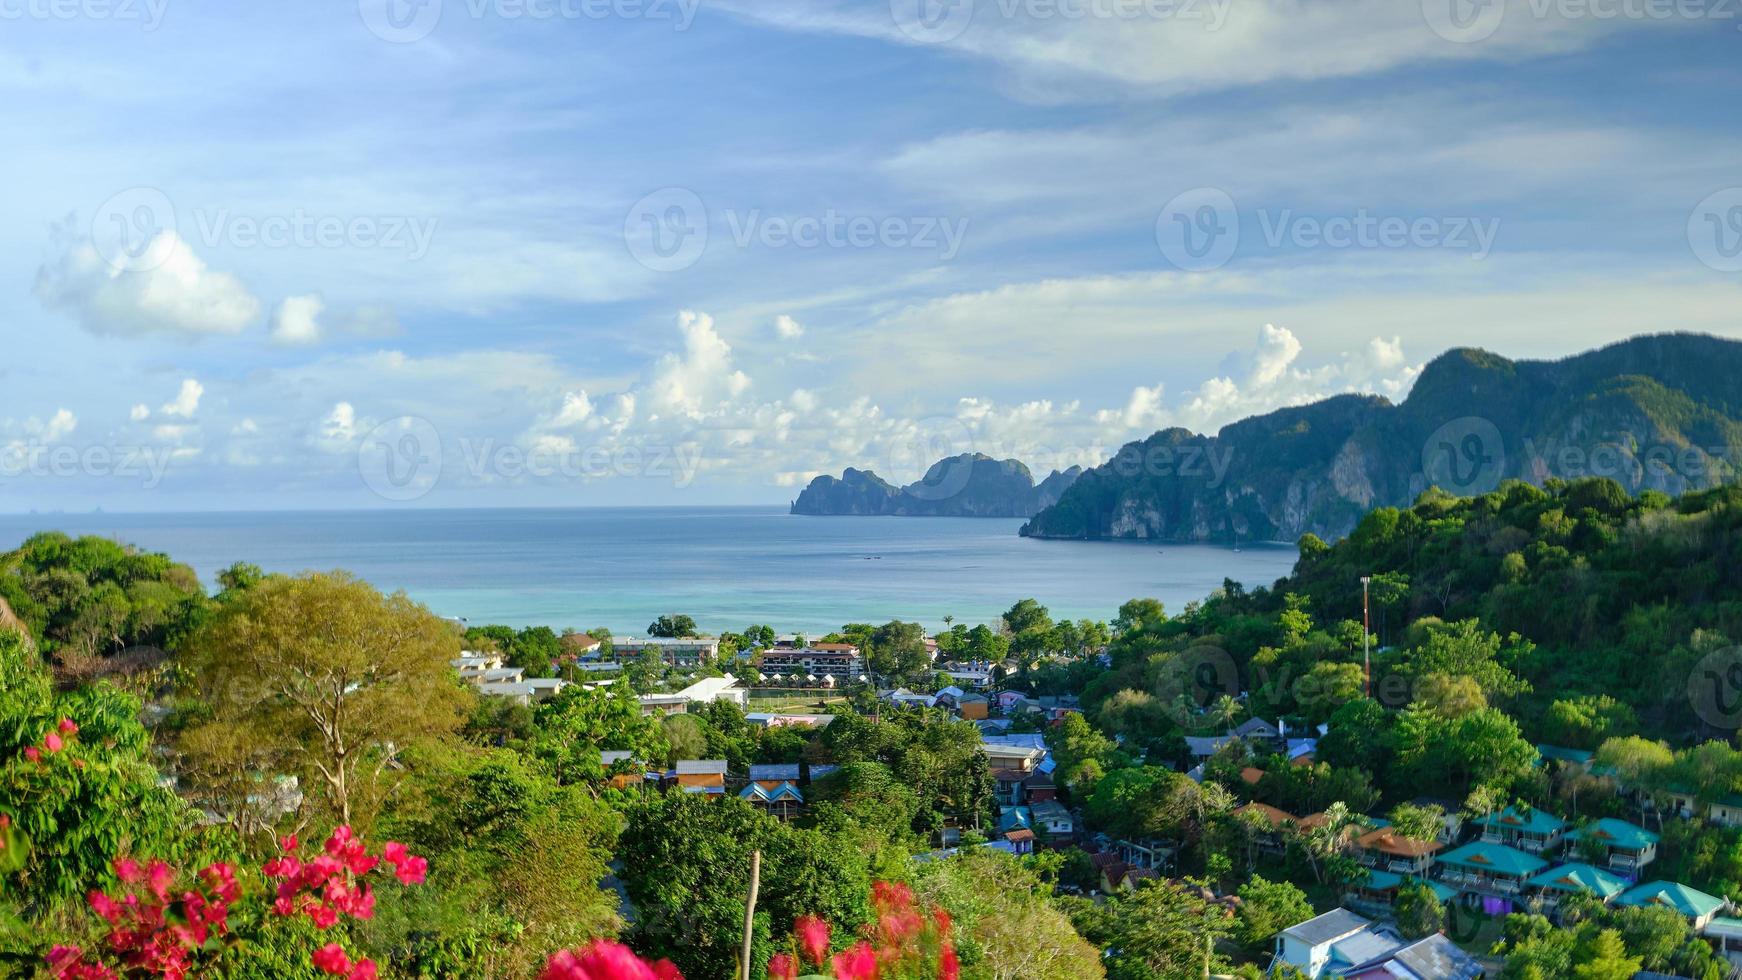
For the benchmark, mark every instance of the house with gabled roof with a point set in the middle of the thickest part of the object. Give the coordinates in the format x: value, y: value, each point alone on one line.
x: 1576, y: 878
x: 1526, y: 829
x: 1269, y: 841
x: 1692, y: 904
x: 1627, y: 847
x: 1487, y: 868
x: 707, y: 776
x: 1429, y: 958
x: 1383, y: 847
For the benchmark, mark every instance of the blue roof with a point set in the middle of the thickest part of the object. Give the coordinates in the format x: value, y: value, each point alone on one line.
x: 1578, y: 877
x: 1527, y: 821
x: 1564, y: 754
x: 1690, y: 902
x: 1494, y: 858
x: 1015, y: 818
x: 1616, y: 833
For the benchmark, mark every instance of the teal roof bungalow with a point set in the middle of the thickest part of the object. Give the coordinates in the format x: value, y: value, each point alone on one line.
x: 1527, y: 829
x: 1625, y: 847
x: 1560, y: 753
x: 1725, y: 935
x: 1375, y: 891
x: 1488, y: 869
x: 1694, y: 905
x: 1572, y: 879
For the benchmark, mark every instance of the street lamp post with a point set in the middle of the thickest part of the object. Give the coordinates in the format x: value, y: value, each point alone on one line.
x: 1366, y: 658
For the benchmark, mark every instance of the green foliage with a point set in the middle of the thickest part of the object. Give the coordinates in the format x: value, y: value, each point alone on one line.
x: 1004, y: 922
x: 1418, y: 910
x: 672, y: 626
x: 1268, y: 907
x: 691, y: 860
x: 91, y: 597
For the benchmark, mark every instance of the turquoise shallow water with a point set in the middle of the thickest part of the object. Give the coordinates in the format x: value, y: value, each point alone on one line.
x: 726, y: 566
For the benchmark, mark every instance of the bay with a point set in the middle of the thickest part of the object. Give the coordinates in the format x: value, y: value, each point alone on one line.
x: 728, y: 567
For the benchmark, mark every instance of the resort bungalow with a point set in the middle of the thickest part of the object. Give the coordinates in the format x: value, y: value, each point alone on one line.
x: 1726, y: 811
x: 774, y: 790
x: 1694, y: 905
x: 622, y: 769
x: 1268, y: 840
x: 1429, y: 958
x: 1203, y: 747
x: 1571, y: 879
x: 1384, y: 848
x: 1725, y: 935
x: 1572, y: 757
x: 1626, y: 848
x: 1485, y: 868
x: 1528, y: 830
x: 700, y: 776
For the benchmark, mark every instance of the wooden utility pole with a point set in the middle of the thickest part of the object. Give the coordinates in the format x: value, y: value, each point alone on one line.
x: 750, y: 914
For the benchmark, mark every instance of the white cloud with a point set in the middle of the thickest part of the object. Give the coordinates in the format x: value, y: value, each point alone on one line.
x: 166, y: 289
x: 338, y: 429
x: 1200, y: 46
x: 788, y: 328
x: 298, y: 320
x: 139, y: 413
x: 59, y: 425
x: 186, y: 401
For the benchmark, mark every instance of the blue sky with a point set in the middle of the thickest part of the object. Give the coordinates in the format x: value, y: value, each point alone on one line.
x: 293, y: 255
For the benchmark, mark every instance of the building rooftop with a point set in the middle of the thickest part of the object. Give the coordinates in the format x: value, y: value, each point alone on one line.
x: 1494, y: 858
x: 1527, y: 821
x: 1690, y: 902
x: 1276, y: 817
x: 1616, y: 833
x: 1580, y: 877
x: 701, y: 767
x: 1329, y: 927
x: 773, y: 771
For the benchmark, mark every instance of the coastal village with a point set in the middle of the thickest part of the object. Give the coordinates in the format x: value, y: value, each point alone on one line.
x: 1513, y: 858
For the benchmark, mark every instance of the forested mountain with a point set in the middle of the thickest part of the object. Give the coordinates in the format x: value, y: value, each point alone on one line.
x: 1654, y: 413
x: 969, y: 485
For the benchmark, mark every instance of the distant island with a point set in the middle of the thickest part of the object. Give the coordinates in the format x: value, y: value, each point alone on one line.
x: 969, y: 485
x: 1659, y: 413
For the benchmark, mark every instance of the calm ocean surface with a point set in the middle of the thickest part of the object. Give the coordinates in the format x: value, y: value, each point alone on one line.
x: 728, y: 567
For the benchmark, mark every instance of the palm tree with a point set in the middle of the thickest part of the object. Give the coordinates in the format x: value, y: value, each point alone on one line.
x: 1225, y: 710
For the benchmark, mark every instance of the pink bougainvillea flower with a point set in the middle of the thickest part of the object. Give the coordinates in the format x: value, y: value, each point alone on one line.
x: 666, y: 970
x: 331, y: 958
x: 129, y: 870
x: 288, y: 843
x: 856, y: 963
x: 411, y: 871
x: 364, y: 970
x: 949, y: 968
x: 394, y: 852
x: 106, y: 908
x: 342, y: 835
x: 813, y: 937
x: 69, y: 726
x: 33, y: 753
x: 158, y: 878
x: 322, y: 915
x: 52, y: 742
x: 781, y: 966
x: 942, y: 918
x: 601, y: 959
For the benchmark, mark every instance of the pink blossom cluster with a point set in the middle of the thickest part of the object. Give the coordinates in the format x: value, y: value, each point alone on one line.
x: 52, y: 741
x: 901, y: 942
x: 603, y: 959
x: 330, y: 887
x: 153, y: 930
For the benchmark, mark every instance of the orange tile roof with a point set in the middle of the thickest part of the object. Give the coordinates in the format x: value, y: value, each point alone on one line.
x: 1385, y: 840
x: 1252, y: 774
x: 1276, y: 817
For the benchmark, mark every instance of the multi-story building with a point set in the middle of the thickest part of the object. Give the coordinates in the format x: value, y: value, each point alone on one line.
x: 841, y: 661
x: 684, y: 651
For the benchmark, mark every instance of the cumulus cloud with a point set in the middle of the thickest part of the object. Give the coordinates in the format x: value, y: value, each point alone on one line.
x: 166, y: 290
x: 298, y: 320
x: 788, y: 328
x: 59, y: 425
x: 186, y: 401
x: 139, y: 413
